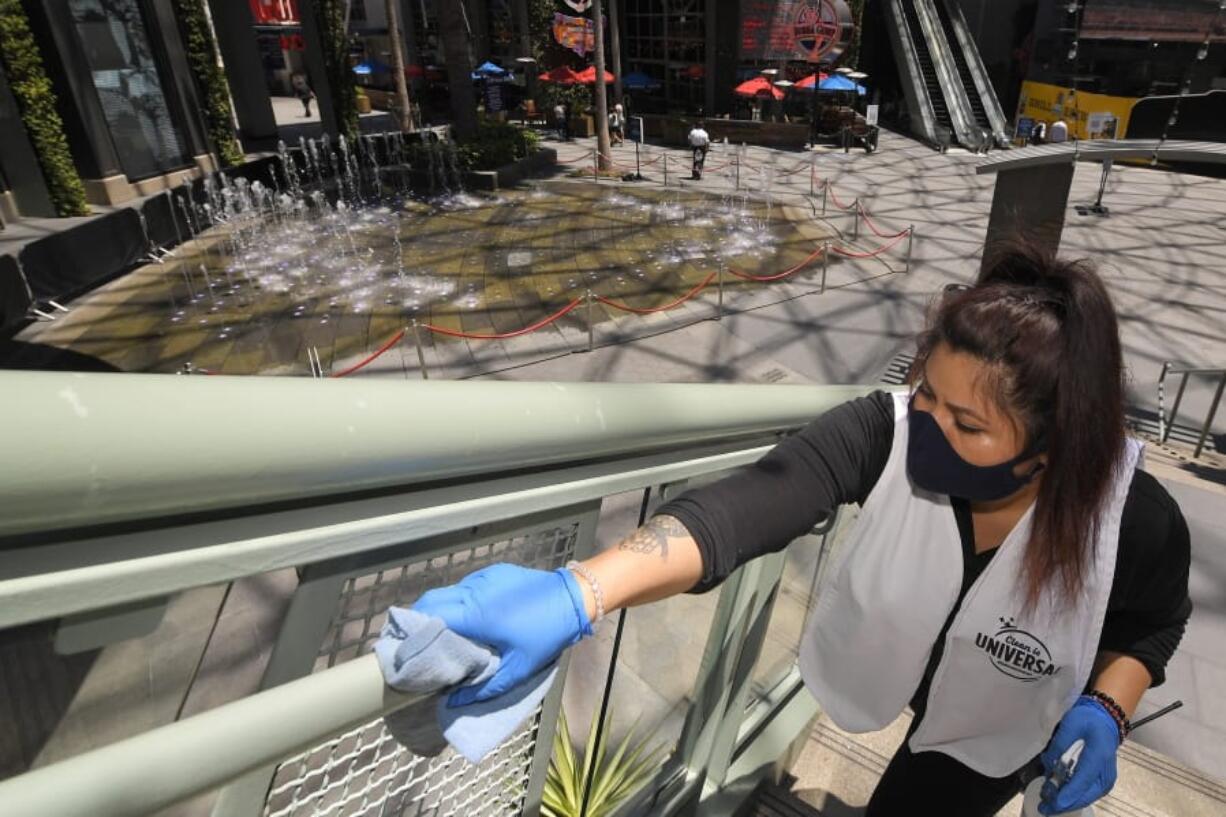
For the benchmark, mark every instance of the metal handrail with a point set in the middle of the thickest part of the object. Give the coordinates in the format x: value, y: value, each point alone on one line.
x: 94, y: 449
x: 157, y: 446
x: 1165, y: 426
x: 172, y: 763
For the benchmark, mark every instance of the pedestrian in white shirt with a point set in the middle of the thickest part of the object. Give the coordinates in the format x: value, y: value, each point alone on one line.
x: 700, y: 141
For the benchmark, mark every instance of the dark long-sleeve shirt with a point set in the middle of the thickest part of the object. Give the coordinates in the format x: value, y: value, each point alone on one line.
x: 838, y: 458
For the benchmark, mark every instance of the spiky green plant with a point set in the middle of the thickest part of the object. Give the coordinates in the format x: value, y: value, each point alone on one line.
x: 613, y: 780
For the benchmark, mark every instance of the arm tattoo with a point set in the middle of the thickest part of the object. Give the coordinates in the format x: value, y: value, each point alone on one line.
x: 654, y: 536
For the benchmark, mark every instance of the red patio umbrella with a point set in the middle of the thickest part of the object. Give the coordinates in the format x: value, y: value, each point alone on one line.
x: 809, y: 83
x: 588, y: 76
x: 562, y: 75
x: 758, y: 86
x: 414, y: 71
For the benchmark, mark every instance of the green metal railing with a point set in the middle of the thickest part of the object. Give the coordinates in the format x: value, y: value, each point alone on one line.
x: 121, y: 491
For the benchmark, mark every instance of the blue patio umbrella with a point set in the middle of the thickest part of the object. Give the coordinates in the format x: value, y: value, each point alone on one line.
x: 838, y: 82
x: 489, y: 69
x: 638, y: 81
x: 367, y: 67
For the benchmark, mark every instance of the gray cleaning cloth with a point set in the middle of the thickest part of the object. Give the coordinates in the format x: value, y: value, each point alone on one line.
x: 418, y: 654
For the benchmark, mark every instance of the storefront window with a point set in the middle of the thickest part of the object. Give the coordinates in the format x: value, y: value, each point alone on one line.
x: 667, y: 40
x: 126, y: 76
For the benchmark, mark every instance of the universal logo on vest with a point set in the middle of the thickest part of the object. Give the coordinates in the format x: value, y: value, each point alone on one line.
x: 1016, y: 653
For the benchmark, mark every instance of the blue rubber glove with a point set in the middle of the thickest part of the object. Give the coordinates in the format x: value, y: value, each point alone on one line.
x: 528, y: 616
x: 1094, y: 774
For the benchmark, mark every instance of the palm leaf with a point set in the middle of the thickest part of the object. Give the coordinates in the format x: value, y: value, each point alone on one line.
x: 613, y: 779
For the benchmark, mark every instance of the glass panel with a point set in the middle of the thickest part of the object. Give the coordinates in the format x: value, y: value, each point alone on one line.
x: 661, y: 650
x: 125, y: 74
x: 806, y: 559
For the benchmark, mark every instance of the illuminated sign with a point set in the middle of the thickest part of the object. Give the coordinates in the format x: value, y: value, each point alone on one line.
x: 815, y: 31
x: 275, y: 12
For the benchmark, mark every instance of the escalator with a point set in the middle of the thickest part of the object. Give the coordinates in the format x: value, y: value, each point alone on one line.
x: 981, y: 97
x: 964, y: 70
x: 928, y: 71
x: 947, y: 94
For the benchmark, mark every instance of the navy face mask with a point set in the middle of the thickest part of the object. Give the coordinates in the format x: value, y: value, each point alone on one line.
x: 935, y: 466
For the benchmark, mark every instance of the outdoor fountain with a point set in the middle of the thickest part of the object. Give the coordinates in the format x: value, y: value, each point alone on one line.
x: 333, y: 250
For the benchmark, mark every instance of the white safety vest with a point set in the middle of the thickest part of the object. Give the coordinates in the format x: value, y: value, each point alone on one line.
x: 1005, y: 678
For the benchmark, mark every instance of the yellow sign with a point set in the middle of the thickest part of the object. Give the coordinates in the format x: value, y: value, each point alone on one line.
x: 1088, y: 116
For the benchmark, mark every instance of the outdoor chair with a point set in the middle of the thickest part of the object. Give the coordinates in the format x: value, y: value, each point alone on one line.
x: 529, y: 112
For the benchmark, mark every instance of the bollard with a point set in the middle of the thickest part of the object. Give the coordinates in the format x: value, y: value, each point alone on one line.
x: 910, y: 237
x: 666, y: 170
x: 421, y: 356
x: 590, y: 323
x: 825, y: 189
x: 825, y: 264
x: 855, y: 221
x: 719, y: 314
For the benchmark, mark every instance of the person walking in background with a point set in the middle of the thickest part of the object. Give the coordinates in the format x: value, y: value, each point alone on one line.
x: 302, y: 90
x: 1014, y: 575
x: 1038, y: 136
x: 700, y: 142
x: 617, y: 125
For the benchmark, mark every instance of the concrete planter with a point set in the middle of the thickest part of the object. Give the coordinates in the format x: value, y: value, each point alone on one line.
x: 511, y: 174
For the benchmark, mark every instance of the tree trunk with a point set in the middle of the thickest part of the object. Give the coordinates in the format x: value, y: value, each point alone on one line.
x: 453, y: 29
x: 404, y: 119
x: 616, y: 44
x: 603, y: 149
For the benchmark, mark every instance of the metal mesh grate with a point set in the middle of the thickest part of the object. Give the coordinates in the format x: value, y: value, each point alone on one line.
x: 366, y: 772
x: 361, y: 610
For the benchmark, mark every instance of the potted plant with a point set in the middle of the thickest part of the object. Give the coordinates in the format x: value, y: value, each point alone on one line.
x: 612, y: 781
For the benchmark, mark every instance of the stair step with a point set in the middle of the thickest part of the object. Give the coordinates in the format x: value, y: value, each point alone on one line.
x: 771, y: 800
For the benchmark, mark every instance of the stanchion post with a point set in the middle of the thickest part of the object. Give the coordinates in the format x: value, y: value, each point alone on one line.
x: 825, y: 190
x: 719, y: 313
x: 591, y: 325
x: 421, y: 355
x: 855, y: 220
x: 910, y: 238
x: 638, y: 170
x: 738, y: 171
x: 813, y: 177
x: 595, y: 166
x: 666, y: 170
x: 825, y: 263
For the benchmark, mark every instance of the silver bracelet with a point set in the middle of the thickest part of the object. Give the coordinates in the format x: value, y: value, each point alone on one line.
x: 575, y: 567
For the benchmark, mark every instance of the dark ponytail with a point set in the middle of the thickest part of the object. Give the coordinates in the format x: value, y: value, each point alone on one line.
x: 1047, y: 329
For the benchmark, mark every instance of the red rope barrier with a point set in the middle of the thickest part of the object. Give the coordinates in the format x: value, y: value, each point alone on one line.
x: 778, y: 275
x: 616, y: 164
x: 836, y: 201
x: 392, y: 341
x: 573, y: 161
x: 648, y: 311
x: 871, y: 254
x: 504, y: 335
x: 873, y: 226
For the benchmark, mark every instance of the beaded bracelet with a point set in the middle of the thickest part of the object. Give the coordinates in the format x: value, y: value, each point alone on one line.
x: 1114, y: 710
x: 597, y: 594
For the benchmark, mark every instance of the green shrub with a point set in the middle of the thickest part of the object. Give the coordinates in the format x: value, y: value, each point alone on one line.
x: 37, y: 103
x: 612, y: 780
x: 497, y: 144
x: 210, y: 80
